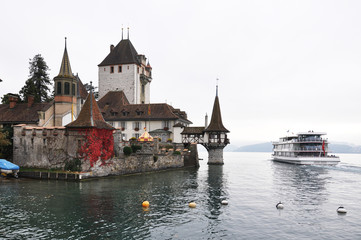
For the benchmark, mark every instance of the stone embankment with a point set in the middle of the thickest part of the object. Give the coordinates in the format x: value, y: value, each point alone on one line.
x: 145, y: 160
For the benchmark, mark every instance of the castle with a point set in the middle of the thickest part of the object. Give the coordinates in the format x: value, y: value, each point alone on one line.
x: 124, y: 105
x: 124, y: 99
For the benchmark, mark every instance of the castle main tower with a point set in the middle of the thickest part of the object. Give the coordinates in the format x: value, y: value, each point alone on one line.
x: 125, y: 70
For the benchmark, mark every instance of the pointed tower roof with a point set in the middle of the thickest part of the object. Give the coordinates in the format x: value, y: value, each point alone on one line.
x: 123, y: 53
x: 148, y: 65
x: 90, y: 116
x: 216, y: 124
x: 65, y: 69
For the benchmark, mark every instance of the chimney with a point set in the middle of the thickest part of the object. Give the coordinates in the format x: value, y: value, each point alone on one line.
x: 206, y: 121
x: 111, y: 47
x: 13, y: 99
x: 30, y: 100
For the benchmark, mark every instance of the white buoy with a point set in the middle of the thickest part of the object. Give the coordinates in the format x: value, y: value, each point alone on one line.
x: 279, y: 205
x: 341, y: 210
x: 224, y: 202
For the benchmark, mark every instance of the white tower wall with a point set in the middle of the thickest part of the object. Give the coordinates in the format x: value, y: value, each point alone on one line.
x: 126, y: 80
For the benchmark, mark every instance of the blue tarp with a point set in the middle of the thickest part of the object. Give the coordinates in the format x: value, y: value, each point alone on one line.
x: 6, y: 165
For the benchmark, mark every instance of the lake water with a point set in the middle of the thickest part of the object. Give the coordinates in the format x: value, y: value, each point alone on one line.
x: 111, y: 208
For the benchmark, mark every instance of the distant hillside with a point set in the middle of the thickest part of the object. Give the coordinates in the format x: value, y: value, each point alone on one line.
x: 260, y: 147
x: 267, y: 147
x: 344, y: 148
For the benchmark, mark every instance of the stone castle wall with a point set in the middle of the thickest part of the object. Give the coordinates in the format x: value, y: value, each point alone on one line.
x: 215, y: 156
x: 42, y: 147
x: 39, y: 147
x: 137, y: 164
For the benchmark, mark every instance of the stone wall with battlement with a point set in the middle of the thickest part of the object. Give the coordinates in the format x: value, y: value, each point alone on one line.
x: 51, y: 147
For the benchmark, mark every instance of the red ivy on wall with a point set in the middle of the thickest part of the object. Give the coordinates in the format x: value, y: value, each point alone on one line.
x: 98, y: 143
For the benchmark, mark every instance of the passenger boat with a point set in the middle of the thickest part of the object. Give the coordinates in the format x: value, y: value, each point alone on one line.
x: 7, y: 167
x: 304, y: 148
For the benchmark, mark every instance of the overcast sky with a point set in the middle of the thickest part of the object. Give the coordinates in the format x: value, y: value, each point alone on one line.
x: 282, y: 65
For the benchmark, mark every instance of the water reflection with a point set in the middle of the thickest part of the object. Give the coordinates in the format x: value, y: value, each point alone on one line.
x: 216, y: 192
x: 301, y: 183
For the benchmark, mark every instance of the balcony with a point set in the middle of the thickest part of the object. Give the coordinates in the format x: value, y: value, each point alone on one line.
x: 144, y: 79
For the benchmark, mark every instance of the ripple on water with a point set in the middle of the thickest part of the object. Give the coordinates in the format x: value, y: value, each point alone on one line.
x: 111, y: 208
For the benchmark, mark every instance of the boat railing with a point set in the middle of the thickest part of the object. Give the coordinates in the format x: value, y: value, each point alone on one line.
x: 318, y: 140
x: 302, y: 150
x: 309, y: 156
x: 301, y: 141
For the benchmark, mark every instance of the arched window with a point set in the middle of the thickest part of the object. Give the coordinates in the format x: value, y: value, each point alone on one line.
x: 58, y: 88
x: 67, y: 88
x: 73, y: 89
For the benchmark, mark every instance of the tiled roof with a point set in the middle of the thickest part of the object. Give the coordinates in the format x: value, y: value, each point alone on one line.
x: 216, y: 124
x: 178, y: 124
x: 193, y: 130
x: 158, y: 111
x: 90, y: 116
x: 115, y: 107
x: 82, y: 92
x: 115, y: 99
x: 159, y: 131
x: 123, y: 53
x: 21, y: 113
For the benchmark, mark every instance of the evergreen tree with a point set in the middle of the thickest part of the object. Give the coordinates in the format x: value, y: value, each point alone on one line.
x: 5, y: 99
x: 38, y: 82
x: 6, y: 146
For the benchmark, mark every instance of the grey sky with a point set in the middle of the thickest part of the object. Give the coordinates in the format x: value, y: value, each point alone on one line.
x: 282, y: 65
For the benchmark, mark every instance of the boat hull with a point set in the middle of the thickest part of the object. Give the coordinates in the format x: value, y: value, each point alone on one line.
x: 308, y: 160
x: 7, y: 167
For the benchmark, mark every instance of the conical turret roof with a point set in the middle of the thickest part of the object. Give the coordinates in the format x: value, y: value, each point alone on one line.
x: 65, y: 69
x: 123, y: 53
x: 216, y: 124
x: 90, y: 116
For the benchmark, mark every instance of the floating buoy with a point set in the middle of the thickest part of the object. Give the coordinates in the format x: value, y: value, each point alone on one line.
x: 279, y: 205
x: 341, y: 210
x: 224, y: 202
x: 145, y: 204
x: 192, y: 204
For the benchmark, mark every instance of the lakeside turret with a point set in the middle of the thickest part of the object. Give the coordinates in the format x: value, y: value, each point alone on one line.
x: 215, y: 137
